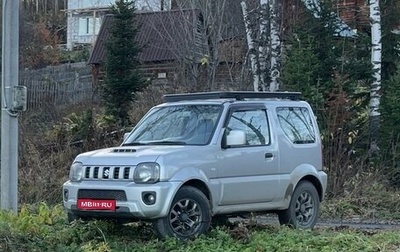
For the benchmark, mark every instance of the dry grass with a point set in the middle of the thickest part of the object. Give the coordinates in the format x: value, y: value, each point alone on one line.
x: 367, y: 196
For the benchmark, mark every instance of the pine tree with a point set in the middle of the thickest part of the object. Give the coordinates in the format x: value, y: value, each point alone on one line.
x: 123, y: 79
x: 390, y: 107
x: 390, y: 128
x: 390, y: 11
x: 333, y: 73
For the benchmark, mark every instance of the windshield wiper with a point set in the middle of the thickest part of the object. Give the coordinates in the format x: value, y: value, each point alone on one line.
x: 134, y: 144
x: 167, y: 143
x: 155, y: 143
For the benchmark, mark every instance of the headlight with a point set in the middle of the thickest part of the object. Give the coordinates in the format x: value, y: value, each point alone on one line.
x: 76, y: 172
x: 147, y: 173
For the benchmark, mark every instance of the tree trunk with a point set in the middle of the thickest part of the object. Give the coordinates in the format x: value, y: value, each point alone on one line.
x: 215, y: 11
x: 264, y: 44
x: 275, y: 45
x: 251, y: 46
x: 376, y: 57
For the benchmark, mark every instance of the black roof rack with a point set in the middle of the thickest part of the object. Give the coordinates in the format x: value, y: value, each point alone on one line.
x: 238, y: 95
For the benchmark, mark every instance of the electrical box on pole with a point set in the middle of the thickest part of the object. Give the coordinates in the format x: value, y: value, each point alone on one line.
x: 19, y: 99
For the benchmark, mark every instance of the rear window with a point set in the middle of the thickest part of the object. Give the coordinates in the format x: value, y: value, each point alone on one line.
x: 297, y: 124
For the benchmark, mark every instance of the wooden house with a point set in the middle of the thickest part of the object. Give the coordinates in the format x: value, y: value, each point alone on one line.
x: 174, y: 50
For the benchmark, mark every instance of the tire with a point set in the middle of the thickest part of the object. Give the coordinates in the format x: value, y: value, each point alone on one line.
x: 303, y: 208
x: 188, y: 217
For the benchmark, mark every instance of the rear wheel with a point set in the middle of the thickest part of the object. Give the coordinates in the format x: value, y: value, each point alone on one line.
x: 189, y: 215
x: 303, y: 209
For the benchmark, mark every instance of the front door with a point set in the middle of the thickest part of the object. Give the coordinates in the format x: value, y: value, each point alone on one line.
x: 248, y: 173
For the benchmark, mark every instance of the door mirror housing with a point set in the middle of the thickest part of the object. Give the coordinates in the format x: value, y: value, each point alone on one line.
x: 234, y: 138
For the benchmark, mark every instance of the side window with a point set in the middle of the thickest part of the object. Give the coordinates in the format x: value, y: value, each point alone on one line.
x: 297, y: 124
x: 253, y: 122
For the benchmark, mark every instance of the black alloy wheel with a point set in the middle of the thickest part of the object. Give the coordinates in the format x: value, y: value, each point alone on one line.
x: 303, y: 208
x: 188, y: 217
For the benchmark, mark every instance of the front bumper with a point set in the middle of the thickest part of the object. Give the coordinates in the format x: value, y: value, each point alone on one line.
x: 132, y: 206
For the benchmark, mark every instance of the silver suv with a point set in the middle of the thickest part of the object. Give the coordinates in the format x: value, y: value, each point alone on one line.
x: 203, y: 155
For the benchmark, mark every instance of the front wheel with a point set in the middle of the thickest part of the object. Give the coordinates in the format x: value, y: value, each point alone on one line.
x: 189, y: 215
x: 303, y: 208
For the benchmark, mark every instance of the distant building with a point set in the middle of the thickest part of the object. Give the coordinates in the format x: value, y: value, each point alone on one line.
x: 167, y: 38
x: 86, y: 16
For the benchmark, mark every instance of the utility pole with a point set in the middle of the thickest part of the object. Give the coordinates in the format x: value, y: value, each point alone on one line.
x: 9, y: 120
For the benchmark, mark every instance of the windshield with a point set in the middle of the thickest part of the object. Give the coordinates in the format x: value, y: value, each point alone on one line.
x: 177, y: 125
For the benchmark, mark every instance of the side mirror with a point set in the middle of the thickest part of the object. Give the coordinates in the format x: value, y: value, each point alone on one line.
x: 235, y: 138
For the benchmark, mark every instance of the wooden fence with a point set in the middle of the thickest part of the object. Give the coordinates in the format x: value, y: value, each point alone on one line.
x: 58, y: 85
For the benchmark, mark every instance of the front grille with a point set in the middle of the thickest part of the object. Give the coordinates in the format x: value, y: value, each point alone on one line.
x: 102, y: 194
x: 108, y: 173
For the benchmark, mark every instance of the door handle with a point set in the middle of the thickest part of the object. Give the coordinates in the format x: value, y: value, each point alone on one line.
x: 269, y: 155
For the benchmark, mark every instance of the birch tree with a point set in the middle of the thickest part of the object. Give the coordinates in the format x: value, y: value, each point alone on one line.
x: 264, y: 43
x: 376, y: 59
x: 275, y: 32
x: 265, y: 60
x: 251, y: 43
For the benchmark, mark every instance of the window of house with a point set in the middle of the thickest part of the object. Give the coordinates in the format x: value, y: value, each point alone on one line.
x: 162, y: 75
x: 86, y: 25
x: 297, y: 124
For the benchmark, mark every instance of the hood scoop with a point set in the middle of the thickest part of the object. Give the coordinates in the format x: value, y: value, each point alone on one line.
x: 123, y: 150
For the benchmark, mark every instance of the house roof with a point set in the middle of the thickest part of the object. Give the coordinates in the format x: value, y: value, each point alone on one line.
x: 162, y: 35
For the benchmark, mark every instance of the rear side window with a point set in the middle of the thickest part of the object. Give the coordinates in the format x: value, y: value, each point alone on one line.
x: 297, y: 124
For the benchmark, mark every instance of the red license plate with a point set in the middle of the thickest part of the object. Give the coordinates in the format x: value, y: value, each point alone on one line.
x: 96, y: 204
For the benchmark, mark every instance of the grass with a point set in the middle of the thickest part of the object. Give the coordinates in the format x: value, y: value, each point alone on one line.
x: 44, y: 228
x: 370, y: 201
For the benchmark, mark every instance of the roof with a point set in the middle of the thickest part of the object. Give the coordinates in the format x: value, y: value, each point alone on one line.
x: 162, y: 35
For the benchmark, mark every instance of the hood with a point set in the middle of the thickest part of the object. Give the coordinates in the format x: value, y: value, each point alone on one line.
x: 126, y: 155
